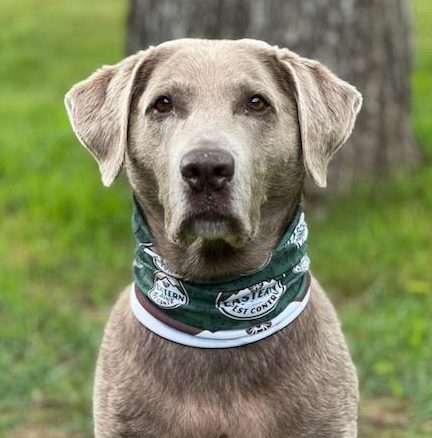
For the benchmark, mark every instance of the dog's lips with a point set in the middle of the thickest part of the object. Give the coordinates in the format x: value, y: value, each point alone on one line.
x: 210, y: 224
x: 209, y: 216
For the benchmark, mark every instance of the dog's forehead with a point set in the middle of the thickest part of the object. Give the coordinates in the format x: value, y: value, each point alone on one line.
x: 212, y: 62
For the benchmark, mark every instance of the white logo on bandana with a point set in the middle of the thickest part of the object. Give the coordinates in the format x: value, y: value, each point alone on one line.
x: 259, y: 328
x: 167, y: 292
x: 300, y: 233
x: 302, y: 265
x: 158, y: 261
x: 253, y: 302
x: 162, y: 265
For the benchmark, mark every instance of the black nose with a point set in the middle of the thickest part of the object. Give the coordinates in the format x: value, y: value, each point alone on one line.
x: 207, y: 169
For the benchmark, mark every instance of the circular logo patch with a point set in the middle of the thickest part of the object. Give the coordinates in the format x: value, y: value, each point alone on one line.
x: 253, y: 302
x: 167, y: 292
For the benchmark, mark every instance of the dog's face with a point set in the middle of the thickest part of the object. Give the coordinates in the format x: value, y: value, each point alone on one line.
x: 217, y: 135
x: 212, y: 130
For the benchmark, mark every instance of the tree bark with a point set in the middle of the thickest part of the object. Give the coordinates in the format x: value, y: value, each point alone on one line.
x: 366, y: 42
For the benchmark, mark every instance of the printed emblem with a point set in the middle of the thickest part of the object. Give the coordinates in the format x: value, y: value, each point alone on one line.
x: 167, y: 292
x: 158, y: 261
x: 302, y: 265
x: 161, y: 264
x: 253, y: 302
x: 137, y: 264
x: 258, y: 328
x: 145, y: 244
x: 300, y: 233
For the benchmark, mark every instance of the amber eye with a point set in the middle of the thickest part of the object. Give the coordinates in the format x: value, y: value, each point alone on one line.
x: 163, y: 104
x: 257, y: 103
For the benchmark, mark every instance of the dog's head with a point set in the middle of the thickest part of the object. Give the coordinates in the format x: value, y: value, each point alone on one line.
x: 212, y: 130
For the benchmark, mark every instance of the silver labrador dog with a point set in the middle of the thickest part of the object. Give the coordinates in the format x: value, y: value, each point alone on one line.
x: 216, y: 138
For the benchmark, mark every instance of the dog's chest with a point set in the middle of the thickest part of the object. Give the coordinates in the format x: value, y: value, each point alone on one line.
x: 189, y: 417
x: 284, y: 386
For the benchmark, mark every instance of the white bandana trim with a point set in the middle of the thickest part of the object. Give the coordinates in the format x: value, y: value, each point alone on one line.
x: 219, y: 339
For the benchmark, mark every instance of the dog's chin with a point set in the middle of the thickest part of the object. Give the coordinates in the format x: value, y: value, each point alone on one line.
x: 211, y: 227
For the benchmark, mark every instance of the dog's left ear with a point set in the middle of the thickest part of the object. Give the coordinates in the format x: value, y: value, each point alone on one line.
x: 98, y: 110
x: 327, y: 108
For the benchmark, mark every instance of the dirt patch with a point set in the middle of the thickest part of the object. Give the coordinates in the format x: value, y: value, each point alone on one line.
x: 42, y: 432
x: 388, y: 418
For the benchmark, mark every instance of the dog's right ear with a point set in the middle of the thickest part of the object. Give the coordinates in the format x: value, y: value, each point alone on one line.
x: 98, y: 110
x: 327, y: 108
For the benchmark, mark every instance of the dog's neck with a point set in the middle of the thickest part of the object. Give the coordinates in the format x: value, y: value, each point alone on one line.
x: 224, y: 313
x: 207, y: 261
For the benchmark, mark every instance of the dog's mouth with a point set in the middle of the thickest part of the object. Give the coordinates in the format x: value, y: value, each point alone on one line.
x: 211, y: 225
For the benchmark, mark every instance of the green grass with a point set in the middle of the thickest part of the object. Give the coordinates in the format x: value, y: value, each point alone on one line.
x: 65, y: 243
x: 373, y: 252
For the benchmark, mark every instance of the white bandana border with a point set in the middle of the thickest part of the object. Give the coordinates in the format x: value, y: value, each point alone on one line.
x: 218, y: 339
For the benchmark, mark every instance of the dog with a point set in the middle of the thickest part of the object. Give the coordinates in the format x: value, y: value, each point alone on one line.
x: 217, y: 137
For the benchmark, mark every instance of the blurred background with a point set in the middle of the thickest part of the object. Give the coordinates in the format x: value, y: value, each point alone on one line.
x: 65, y: 241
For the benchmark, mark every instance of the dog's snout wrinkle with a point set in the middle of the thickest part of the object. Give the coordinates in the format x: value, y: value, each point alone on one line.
x: 207, y: 169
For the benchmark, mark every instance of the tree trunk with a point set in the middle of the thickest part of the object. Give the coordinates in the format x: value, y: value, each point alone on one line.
x: 366, y: 42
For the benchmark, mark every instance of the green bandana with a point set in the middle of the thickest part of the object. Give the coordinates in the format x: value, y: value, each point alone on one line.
x: 225, y: 314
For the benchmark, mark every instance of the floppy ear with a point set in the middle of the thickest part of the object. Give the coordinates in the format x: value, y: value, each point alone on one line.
x: 98, y: 110
x: 327, y: 108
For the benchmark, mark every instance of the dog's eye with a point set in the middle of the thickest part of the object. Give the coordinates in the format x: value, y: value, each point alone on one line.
x: 163, y: 104
x: 257, y: 104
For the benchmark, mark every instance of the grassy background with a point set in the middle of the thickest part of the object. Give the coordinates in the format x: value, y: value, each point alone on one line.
x: 65, y: 243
